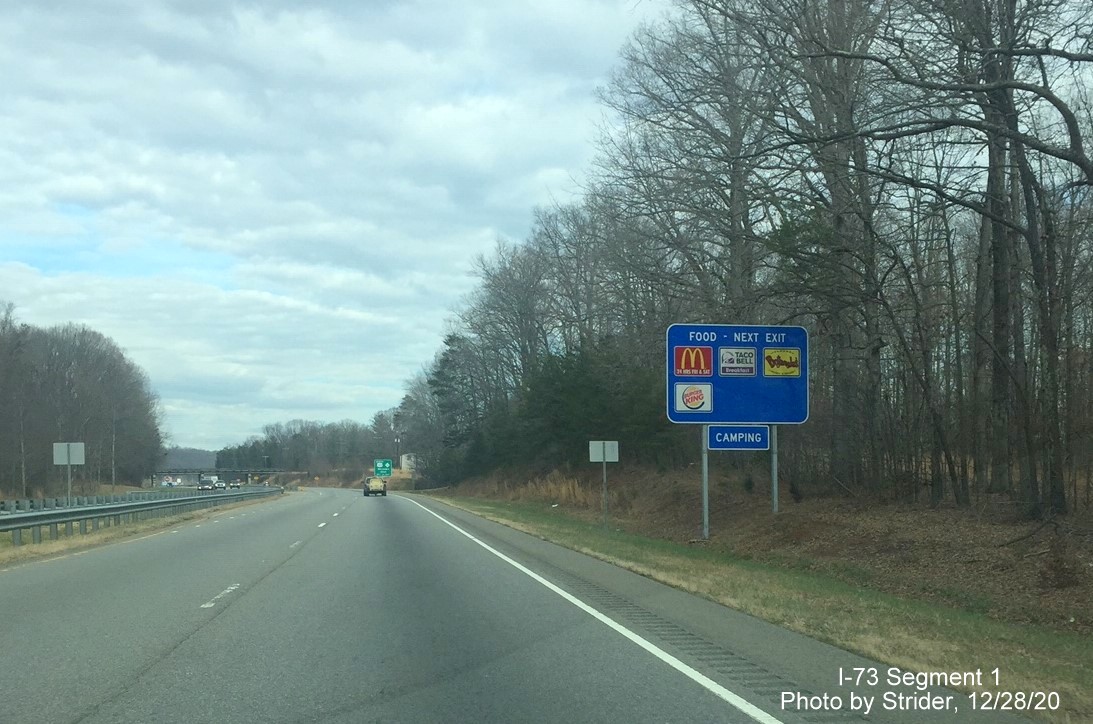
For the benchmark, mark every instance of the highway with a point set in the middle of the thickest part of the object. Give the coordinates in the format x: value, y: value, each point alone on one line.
x: 325, y: 606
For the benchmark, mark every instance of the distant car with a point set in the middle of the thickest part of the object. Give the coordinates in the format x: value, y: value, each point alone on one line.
x: 220, y: 485
x: 205, y: 485
x: 375, y: 486
x: 234, y: 484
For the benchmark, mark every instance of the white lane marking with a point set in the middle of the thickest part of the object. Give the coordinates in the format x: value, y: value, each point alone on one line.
x: 231, y: 517
x: 321, y: 524
x: 212, y: 602
x: 143, y: 537
x: 174, y: 531
x: 694, y: 675
x: 336, y: 515
x: 198, y: 525
x: 296, y: 544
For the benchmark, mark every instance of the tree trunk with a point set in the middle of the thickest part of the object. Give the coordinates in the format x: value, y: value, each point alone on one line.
x: 981, y: 354
x: 1000, y: 337
x: 963, y: 423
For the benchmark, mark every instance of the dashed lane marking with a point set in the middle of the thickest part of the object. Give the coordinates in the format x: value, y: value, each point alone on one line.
x: 212, y: 602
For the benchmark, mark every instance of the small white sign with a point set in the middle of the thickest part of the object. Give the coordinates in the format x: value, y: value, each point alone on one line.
x: 603, y: 451
x: 68, y: 453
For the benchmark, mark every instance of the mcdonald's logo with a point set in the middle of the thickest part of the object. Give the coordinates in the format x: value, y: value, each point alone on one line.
x: 694, y: 361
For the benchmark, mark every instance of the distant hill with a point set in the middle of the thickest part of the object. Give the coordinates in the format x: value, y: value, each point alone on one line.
x: 188, y: 457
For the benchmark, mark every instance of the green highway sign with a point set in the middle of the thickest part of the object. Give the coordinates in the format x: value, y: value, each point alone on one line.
x: 382, y: 468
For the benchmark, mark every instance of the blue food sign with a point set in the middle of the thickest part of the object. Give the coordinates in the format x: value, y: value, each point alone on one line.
x: 737, y: 374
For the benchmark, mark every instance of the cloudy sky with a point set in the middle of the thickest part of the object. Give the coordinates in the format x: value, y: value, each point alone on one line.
x: 274, y: 207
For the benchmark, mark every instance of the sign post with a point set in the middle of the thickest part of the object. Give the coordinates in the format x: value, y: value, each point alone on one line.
x: 737, y: 375
x: 705, y: 482
x: 68, y: 454
x: 774, y: 468
x: 603, y: 451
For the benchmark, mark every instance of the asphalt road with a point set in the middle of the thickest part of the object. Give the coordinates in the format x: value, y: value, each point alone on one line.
x: 325, y: 606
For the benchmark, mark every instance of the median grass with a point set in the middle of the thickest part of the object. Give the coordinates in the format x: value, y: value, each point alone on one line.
x: 912, y: 634
x: 13, y: 555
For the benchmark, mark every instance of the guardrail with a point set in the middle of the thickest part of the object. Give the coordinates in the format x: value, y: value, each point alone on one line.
x: 114, y: 513
x: 26, y: 505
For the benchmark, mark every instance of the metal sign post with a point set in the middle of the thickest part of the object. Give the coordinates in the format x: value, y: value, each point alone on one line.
x: 705, y: 483
x: 605, y: 494
x: 603, y: 451
x: 774, y: 468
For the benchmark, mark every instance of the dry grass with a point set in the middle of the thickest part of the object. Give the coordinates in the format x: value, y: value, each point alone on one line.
x: 562, y: 489
x: 949, y: 556
x: 556, y: 487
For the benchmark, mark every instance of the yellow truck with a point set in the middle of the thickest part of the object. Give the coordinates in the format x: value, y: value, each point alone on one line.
x: 375, y: 486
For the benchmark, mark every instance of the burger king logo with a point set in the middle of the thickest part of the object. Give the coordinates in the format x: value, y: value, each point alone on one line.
x: 693, y: 397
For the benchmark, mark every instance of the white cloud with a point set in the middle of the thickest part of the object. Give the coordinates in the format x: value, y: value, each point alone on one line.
x: 274, y: 206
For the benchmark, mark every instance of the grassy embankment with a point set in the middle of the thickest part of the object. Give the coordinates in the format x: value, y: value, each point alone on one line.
x: 834, y: 600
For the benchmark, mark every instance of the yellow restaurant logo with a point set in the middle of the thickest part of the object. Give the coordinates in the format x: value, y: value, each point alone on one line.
x: 780, y: 362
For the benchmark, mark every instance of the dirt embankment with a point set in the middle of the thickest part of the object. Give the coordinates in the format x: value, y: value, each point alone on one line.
x: 982, y: 560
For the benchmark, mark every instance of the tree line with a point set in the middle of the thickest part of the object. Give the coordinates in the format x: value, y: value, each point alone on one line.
x: 317, y: 448
x: 69, y: 383
x: 908, y: 180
